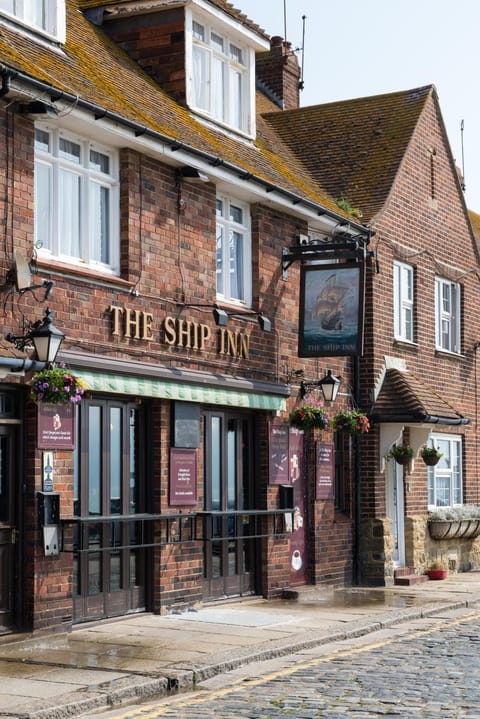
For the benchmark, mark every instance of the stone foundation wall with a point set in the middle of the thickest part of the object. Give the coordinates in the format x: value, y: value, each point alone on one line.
x: 460, y: 555
x: 376, y: 552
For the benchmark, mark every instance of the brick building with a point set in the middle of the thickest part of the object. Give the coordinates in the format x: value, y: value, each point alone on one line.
x: 389, y: 157
x: 173, y: 212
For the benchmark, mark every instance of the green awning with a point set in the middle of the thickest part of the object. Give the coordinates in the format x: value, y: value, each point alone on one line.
x: 186, y: 392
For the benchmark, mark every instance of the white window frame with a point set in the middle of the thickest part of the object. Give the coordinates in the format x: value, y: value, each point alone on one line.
x: 231, y: 100
x: 225, y: 228
x: 49, y: 20
x: 403, y: 301
x: 447, y: 315
x: 445, y: 479
x: 48, y: 221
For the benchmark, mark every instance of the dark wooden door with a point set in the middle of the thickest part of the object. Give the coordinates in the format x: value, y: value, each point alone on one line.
x: 229, y: 481
x: 8, y: 531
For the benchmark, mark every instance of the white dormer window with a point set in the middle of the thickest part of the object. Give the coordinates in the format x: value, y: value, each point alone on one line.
x: 44, y: 16
x: 220, y: 71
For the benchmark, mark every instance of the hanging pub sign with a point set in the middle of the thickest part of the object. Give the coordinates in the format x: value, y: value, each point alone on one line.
x: 183, y: 476
x: 331, y: 310
x: 55, y: 426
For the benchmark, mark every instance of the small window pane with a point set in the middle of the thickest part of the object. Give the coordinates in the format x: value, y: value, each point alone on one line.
x: 236, y: 53
x: 217, y: 41
x: 70, y: 150
x: 100, y: 162
x: 236, y: 214
x: 198, y: 30
x: 42, y: 140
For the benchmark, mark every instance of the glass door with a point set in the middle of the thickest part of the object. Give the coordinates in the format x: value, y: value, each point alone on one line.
x: 109, y: 571
x: 229, y: 472
x: 8, y: 530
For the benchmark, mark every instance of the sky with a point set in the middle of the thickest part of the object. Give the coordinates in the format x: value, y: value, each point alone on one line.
x: 357, y: 48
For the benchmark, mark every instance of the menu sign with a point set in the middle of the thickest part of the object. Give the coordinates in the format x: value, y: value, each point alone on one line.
x: 325, y: 470
x: 183, y: 476
x: 278, y: 446
x: 56, y: 426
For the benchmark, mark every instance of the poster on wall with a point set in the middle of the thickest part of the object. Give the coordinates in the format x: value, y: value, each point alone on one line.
x: 325, y: 470
x: 278, y: 455
x: 183, y: 476
x: 331, y: 310
x: 55, y: 426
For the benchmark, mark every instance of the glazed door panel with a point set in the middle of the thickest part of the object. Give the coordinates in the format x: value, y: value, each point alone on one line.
x: 229, y: 472
x: 109, y: 577
x: 7, y: 528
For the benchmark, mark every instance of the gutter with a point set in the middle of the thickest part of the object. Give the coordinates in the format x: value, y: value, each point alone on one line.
x: 425, y: 419
x: 101, y: 113
x: 21, y: 365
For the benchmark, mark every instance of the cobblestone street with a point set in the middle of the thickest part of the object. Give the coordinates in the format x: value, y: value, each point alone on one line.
x: 427, y: 671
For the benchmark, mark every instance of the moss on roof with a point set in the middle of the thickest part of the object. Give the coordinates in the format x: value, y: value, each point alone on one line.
x: 475, y: 222
x: 94, y: 68
x: 353, y: 148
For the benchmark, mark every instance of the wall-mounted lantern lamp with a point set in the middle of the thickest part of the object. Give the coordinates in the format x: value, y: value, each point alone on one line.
x: 44, y: 336
x: 328, y: 384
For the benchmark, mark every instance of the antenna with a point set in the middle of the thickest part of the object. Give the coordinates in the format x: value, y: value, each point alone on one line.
x: 463, y: 186
x: 285, y: 20
x: 301, y: 84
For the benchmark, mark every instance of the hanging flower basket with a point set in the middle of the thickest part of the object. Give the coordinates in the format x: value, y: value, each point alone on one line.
x: 56, y: 385
x: 401, y: 453
x: 430, y: 455
x: 310, y: 415
x: 350, y: 421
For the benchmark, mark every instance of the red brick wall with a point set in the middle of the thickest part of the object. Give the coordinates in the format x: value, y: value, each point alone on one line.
x: 426, y: 227
x: 278, y: 69
x: 157, y: 42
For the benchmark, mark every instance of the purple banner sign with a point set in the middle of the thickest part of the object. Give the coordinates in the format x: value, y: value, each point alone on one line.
x: 325, y: 470
x: 56, y: 426
x: 278, y: 447
x: 183, y: 476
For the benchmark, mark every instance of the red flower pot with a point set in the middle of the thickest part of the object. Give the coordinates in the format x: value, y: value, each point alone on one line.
x: 437, y: 573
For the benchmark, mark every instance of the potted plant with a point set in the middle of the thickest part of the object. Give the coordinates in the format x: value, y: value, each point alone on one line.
x: 350, y: 421
x: 401, y: 453
x: 430, y: 455
x: 310, y: 415
x: 437, y: 570
x: 56, y: 385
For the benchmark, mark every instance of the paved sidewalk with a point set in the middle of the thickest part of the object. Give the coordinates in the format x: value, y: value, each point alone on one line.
x: 98, y: 666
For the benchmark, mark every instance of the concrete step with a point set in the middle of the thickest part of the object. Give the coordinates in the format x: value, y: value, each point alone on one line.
x: 407, y: 580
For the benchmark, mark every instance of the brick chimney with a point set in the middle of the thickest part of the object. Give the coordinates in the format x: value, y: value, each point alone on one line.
x: 279, y: 71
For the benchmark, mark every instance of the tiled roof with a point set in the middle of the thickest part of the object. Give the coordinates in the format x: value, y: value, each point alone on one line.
x: 97, y: 71
x: 404, y: 397
x: 354, y: 148
x: 475, y: 221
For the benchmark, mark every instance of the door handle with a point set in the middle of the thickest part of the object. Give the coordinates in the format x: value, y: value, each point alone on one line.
x: 13, y: 536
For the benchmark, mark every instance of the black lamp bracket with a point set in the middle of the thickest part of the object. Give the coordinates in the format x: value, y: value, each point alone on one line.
x: 344, y: 247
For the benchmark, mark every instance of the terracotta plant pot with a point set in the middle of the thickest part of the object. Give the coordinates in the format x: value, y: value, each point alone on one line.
x: 437, y: 573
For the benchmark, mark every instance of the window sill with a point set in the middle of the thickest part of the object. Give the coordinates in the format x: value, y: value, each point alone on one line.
x: 446, y: 354
x: 63, y: 269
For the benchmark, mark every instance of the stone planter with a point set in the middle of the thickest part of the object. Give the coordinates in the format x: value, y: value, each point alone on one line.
x: 454, y: 529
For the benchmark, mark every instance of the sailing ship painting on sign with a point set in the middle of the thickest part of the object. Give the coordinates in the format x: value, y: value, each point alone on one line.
x: 331, y: 310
